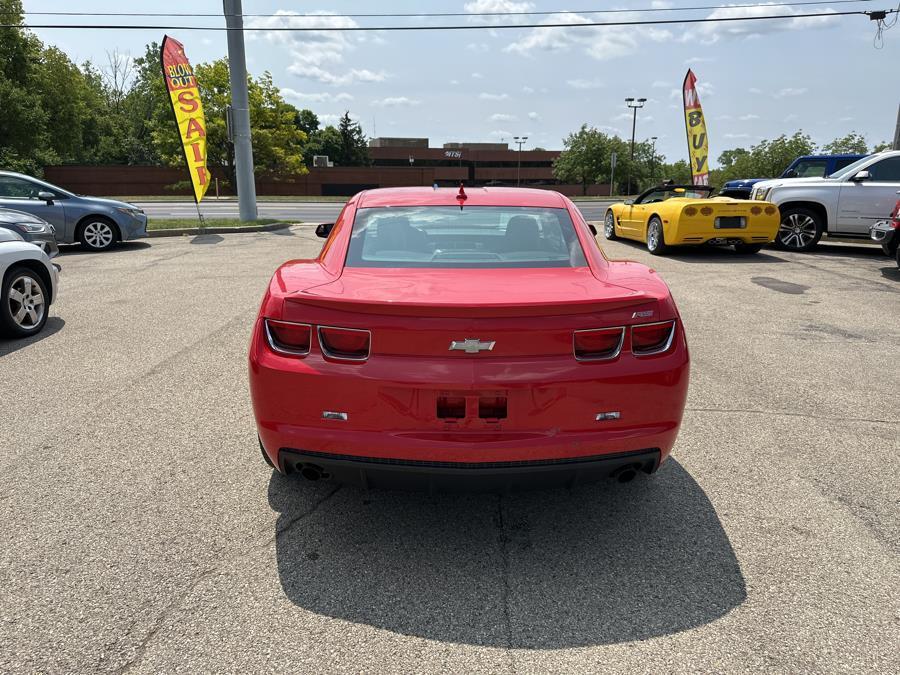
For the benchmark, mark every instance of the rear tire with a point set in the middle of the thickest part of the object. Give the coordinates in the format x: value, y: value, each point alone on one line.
x: 98, y: 234
x: 800, y: 230
x: 24, y: 303
x: 609, y: 226
x: 748, y: 248
x: 656, y: 239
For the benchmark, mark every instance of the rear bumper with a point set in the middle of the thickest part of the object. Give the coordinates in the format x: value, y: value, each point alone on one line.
x: 434, y: 476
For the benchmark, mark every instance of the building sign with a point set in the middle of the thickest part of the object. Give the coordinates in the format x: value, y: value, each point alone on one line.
x: 184, y: 94
x: 453, y: 154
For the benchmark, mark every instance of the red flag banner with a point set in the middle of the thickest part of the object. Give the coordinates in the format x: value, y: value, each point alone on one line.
x: 184, y: 94
x: 695, y: 124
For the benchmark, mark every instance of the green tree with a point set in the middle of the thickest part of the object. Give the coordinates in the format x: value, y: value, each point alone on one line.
x: 851, y: 143
x: 881, y: 147
x: 325, y: 141
x: 585, y: 158
x: 766, y: 159
x: 354, y: 151
x: 307, y: 121
x: 277, y: 141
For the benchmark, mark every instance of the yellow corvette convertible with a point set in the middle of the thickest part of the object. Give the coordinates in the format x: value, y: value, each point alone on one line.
x: 677, y: 215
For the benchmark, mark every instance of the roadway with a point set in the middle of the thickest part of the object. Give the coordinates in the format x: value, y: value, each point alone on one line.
x: 293, y: 211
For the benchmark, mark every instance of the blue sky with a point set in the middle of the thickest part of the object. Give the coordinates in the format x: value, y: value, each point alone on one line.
x: 758, y: 80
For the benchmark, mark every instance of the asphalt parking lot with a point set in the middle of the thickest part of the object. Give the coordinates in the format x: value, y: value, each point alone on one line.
x: 142, y: 531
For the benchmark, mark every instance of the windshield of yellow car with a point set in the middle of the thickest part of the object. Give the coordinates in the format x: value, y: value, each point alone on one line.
x: 663, y: 194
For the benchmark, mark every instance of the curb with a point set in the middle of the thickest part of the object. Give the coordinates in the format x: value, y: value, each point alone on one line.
x: 178, y: 232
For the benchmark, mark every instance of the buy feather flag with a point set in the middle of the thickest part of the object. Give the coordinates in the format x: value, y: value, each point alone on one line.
x: 698, y: 142
x: 185, y: 98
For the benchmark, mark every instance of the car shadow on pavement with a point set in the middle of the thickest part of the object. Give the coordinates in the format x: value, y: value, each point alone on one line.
x: 54, y: 325
x: 708, y: 254
x: 67, y: 250
x: 600, y: 564
x: 892, y: 273
x: 207, y: 239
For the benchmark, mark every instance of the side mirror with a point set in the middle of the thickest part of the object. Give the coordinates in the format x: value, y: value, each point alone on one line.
x: 592, y: 229
x: 324, y: 229
x: 791, y: 173
x: 861, y: 176
x: 629, y: 202
x: 46, y: 196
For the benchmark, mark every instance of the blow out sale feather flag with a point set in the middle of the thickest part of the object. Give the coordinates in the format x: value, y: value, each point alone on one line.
x: 698, y: 142
x: 184, y: 95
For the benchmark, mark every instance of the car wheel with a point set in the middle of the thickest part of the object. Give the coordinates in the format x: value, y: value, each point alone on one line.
x: 800, y: 230
x: 25, y: 303
x: 609, y: 226
x: 656, y: 240
x: 748, y: 248
x: 98, y: 234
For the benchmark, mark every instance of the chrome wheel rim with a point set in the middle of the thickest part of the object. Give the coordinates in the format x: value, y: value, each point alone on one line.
x: 609, y: 228
x: 98, y: 234
x: 26, y: 302
x: 797, y: 230
x: 653, y: 236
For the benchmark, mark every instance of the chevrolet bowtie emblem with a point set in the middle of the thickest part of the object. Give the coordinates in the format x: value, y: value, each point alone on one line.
x: 471, y: 346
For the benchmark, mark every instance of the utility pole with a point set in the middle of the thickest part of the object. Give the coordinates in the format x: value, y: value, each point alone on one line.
x: 634, y: 104
x: 240, y: 107
x: 520, y: 141
x: 897, y: 133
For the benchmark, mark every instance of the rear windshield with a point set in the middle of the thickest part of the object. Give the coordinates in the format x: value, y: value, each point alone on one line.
x: 476, y: 236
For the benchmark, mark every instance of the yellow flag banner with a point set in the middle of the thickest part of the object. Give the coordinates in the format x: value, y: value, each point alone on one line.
x: 698, y: 142
x: 185, y: 98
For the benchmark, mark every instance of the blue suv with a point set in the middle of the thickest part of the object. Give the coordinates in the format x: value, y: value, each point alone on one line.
x: 808, y: 166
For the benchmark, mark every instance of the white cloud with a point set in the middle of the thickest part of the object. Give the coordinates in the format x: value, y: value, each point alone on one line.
x: 527, y: 90
x: 790, y: 91
x: 754, y: 90
x: 737, y: 136
x: 499, y: 133
x: 748, y: 117
x: 395, y: 101
x: 485, y: 96
x: 846, y: 119
x: 498, y: 7
x: 502, y: 117
x: 322, y: 97
x: 534, y: 116
x: 317, y: 54
x: 595, y: 41
x: 713, y: 32
x: 585, y: 84
x: 698, y: 59
x: 477, y: 76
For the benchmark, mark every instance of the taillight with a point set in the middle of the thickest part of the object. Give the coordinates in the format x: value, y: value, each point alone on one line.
x: 706, y: 211
x: 770, y: 210
x: 690, y: 211
x: 599, y: 344
x: 288, y: 338
x: 349, y: 344
x: 652, y: 338
x: 756, y: 210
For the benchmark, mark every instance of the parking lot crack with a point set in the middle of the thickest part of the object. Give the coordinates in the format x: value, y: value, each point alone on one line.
x: 306, y: 514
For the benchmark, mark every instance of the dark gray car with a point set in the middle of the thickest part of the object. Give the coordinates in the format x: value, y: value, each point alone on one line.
x: 94, y: 222
x: 32, y: 229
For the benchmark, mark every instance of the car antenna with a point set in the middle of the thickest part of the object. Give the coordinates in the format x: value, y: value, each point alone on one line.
x: 461, y: 196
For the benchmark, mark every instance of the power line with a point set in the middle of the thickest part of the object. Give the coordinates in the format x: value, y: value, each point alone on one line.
x: 462, y: 14
x: 357, y: 29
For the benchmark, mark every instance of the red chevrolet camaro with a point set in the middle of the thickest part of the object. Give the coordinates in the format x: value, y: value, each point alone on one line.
x: 466, y: 339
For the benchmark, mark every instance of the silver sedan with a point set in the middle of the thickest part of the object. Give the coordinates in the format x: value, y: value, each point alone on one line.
x: 97, y: 224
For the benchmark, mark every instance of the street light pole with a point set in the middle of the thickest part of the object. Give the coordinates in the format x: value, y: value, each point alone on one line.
x: 634, y: 104
x: 520, y: 141
x: 240, y: 110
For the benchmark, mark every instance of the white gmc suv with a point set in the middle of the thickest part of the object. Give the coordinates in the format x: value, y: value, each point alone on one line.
x: 844, y: 204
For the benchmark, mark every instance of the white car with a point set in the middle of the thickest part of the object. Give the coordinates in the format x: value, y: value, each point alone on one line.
x: 28, y: 288
x: 845, y: 204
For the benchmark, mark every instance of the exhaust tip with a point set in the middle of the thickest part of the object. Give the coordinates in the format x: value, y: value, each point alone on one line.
x: 625, y: 474
x: 311, y: 472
